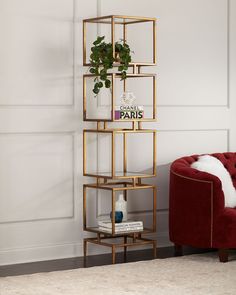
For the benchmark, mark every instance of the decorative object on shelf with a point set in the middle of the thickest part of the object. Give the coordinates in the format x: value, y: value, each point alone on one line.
x: 127, y: 110
x: 104, y: 57
x: 121, y: 205
x: 125, y: 226
x: 118, y: 216
x: 101, y: 59
x: 127, y: 98
x: 128, y: 223
x: 122, y: 230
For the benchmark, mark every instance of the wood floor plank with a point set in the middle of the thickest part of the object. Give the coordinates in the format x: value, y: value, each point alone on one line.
x: 95, y: 260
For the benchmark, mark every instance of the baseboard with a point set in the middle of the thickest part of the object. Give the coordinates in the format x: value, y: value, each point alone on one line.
x: 40, y: 253
x: 67, y: 250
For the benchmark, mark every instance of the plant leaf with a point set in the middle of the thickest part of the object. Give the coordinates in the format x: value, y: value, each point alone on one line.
x: 96, y: 90
x: 92, y: 70
x: 107, y: 83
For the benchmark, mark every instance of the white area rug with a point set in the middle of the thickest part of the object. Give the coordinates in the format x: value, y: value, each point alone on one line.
x: 190, y: 275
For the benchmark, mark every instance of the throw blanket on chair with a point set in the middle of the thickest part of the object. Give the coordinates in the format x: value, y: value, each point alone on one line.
x: 214, y: 166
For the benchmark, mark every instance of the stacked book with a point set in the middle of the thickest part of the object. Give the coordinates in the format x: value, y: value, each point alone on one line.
x: 123, y: 227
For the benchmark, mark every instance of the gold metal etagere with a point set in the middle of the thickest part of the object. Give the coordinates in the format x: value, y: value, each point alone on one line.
x: 125, y: 180
x: 113, y: 77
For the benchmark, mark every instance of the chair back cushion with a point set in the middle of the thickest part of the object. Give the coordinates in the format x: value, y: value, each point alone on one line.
x: 227, y: 159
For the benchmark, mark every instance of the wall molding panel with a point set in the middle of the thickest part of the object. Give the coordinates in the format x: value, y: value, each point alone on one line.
x: 39, y: 72
x: 26, y: 150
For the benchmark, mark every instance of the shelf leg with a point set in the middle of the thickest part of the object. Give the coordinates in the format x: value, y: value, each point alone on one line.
x: 125, y: 249
x: 113, y: 254
x: 85, y: 252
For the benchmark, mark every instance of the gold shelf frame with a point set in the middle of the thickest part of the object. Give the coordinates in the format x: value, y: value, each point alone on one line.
x: 113, y: 188
x: 126, y: 173
x: 125, y: 182
x: 124, y: 21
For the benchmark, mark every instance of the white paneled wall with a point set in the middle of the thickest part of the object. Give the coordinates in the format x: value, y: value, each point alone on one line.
x: 41, y: 112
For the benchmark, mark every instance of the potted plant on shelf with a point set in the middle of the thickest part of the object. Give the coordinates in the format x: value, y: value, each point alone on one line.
x: 101, y: 59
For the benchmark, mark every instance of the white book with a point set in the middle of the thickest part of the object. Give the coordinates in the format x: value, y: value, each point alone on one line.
x: 129, y: 223
x: 121, y: 230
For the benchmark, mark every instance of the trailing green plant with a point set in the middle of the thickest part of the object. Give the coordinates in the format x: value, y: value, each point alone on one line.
x: 101, y: 59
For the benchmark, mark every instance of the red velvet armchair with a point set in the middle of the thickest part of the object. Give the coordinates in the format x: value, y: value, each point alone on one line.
x: 197, y: 213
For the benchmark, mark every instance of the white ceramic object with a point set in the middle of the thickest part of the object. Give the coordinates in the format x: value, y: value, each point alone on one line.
x: 121, y: 205
x: 127, y: 98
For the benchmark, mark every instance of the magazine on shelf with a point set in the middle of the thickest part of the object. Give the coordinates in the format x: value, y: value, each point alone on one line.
x: 122, y: 230
x: 122, y: 225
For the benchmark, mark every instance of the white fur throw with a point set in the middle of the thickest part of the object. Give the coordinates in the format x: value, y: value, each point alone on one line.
x: 214, y: 166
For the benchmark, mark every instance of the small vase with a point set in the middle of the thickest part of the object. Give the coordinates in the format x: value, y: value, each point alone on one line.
x: 118, y: 216
x: 121, y: 205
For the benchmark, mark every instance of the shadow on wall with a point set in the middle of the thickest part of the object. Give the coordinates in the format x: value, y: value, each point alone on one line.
x: 144, y: 203
x: 161, y: 180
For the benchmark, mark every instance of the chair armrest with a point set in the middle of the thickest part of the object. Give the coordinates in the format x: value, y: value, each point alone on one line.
x: 196, y: 199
